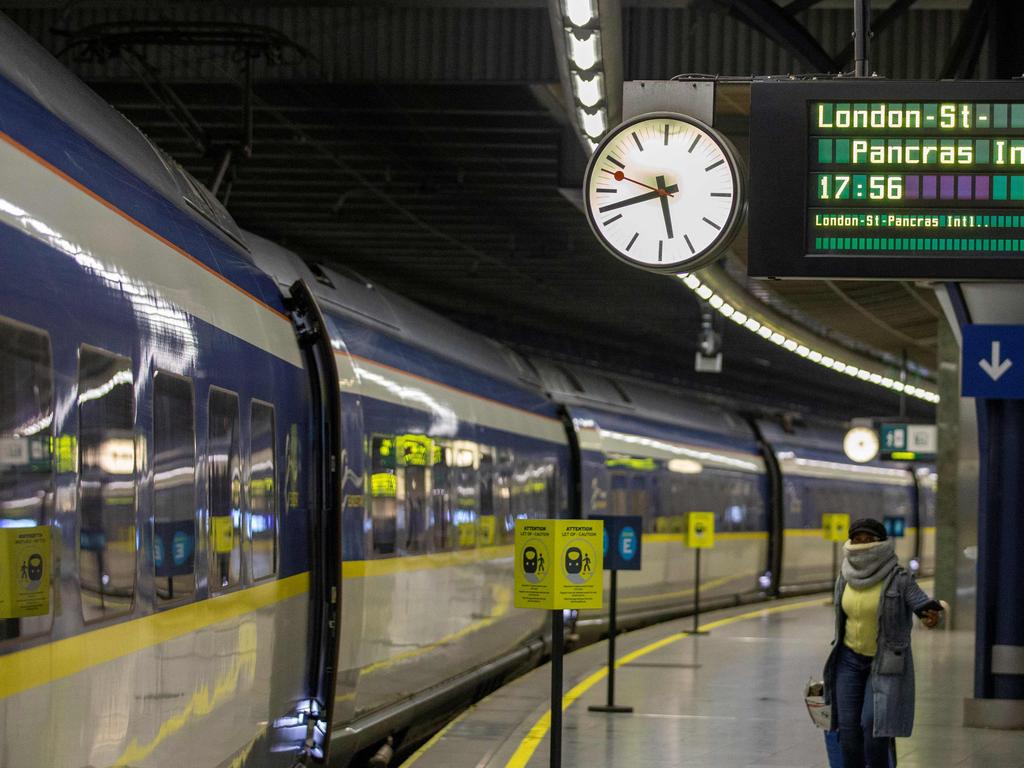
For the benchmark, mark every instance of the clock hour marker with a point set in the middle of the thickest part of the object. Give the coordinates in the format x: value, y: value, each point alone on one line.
x: 661, y: 244
x: 709, y: 221
x: 612, y: 190
x: 687, y: 239
x: 666, y: 134
x: 632, y: 240
x: 694, y: 145
x: 616, y: 217
x: 613, y: 160
x: 637, y: 140
x: 713, y: 194
x: 713, y: 166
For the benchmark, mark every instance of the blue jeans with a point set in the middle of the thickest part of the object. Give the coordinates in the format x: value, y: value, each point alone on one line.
x: 856, y: 711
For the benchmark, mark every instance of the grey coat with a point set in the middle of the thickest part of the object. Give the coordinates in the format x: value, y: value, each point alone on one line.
x: 892, y: 673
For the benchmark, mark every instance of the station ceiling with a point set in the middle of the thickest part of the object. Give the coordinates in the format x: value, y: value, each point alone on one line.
x: 426, y: 146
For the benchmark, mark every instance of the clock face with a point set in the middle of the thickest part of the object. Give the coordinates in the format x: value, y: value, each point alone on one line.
x: 663, y: 192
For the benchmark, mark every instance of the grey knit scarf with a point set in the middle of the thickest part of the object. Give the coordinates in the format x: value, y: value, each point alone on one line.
x: 867, y: 564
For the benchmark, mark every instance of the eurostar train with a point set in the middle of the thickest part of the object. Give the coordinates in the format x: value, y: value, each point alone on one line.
x: 259, y: 513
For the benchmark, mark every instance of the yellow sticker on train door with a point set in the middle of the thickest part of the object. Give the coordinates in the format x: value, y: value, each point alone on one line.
x: 487, y: 527
x: 25, y: 564
x: 223, y: 534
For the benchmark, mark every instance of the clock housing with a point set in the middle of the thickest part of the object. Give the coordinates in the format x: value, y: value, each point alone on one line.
x: 664, y: 192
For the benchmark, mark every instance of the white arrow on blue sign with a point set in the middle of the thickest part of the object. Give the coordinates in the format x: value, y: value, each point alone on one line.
x: 993, y: 361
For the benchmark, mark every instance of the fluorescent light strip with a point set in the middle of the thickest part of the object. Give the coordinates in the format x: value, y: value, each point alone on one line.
x: 583, y: 50
x: 778, y: 338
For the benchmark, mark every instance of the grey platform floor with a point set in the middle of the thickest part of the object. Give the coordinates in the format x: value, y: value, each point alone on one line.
x: 732, y: 699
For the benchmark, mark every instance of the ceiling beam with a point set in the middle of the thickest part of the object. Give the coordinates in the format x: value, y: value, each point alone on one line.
x: 775, y: 22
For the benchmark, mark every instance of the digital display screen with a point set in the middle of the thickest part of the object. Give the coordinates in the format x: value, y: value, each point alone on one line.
x: 887, y: 179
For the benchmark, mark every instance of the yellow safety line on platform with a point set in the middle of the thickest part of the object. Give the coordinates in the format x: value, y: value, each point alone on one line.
x: 540, y: 729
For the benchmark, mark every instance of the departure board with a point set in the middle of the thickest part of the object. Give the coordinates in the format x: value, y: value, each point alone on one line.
x: 887, y: 179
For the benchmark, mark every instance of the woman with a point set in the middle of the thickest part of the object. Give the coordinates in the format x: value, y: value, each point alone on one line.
x: 869, y: 676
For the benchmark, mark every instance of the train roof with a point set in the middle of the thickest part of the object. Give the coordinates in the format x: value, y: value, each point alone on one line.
x: 588, y: 388
x: 31, y: 68
x: 355, y: 297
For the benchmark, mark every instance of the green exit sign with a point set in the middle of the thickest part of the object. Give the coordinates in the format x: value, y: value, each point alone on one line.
x: 908, y: 442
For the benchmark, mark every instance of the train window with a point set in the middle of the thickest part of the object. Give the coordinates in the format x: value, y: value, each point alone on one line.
x: 384, y: 494
x: 174, y: 474
x: 441, y: 497
x: 26, y: 454
x: 106, y: 498
x: 488, y: 522
x: 414, y: 454
x: 224, y: 466
x: 504, y: 521
x: 262, y: 492
x: 466, y: 514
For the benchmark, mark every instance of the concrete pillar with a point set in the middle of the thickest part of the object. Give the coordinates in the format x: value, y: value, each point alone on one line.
x: 998, y: 700
x: 947, y: 503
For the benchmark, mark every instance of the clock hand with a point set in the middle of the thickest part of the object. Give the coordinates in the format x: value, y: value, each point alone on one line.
x: 664, y: 207
x: 619, y: 176
x: 641, y: 198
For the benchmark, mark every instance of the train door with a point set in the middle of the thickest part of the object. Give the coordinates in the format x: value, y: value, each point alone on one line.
x: 327, y: 473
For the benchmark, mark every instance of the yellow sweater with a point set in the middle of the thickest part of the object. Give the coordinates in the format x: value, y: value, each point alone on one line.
x: 861, y: 609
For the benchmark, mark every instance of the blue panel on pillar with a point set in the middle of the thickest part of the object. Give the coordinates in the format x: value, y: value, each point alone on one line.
x: 622, y: 541
x: 993, y: 361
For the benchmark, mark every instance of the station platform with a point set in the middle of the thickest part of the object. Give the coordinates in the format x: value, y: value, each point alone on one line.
x: 732, y: 698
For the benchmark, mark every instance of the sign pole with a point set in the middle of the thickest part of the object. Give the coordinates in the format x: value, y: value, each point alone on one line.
x: 613, y: 630
x: 696, y: 597
x: 557, y: 650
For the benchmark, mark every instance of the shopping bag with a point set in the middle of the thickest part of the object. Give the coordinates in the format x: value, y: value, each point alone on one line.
x: 814, y: 698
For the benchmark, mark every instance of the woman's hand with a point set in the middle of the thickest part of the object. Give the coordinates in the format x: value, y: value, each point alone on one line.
x: 931, y: 618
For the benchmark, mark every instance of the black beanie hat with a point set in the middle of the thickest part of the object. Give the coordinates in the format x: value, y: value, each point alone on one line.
x: 868, y: 525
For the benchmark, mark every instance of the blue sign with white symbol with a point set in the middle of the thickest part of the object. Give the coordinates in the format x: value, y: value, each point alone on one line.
x: 629, y: 543
x: 173, y: 547
x: 993, y: 361
x: 625, y: 532
x: 895, y: 527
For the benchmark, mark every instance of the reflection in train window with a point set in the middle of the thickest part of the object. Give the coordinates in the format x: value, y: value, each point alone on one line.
x: 465, y: 513
x: 26, y: 454
x: 262, y: 491
x: 441, y: 498
x: 106, y: 449
x: 384, y: 489
x: 487, y: 522
x: 225, y: 491
x: 414, y: 454
x: 174, y: 470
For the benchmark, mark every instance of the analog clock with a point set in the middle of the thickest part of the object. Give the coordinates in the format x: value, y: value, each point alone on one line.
x: 664, y: 192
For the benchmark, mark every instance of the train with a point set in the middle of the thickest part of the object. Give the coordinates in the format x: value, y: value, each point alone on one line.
x: 260, y: 512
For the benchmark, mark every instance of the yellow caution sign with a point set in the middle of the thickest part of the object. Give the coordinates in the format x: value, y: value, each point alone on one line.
x: 559, y: 564
x: 835, y: 526
x: 535, y: 579
x: 25, y: 564
x: 700, y: 530
x: 223, y: 534
x: 580, y: 547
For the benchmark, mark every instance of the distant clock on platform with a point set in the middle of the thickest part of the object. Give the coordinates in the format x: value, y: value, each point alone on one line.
x: 664, y: 192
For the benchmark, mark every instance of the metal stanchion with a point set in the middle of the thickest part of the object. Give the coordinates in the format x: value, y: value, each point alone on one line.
x: 557, y: 651
x: 696, y: 598
x: 613, y: 630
